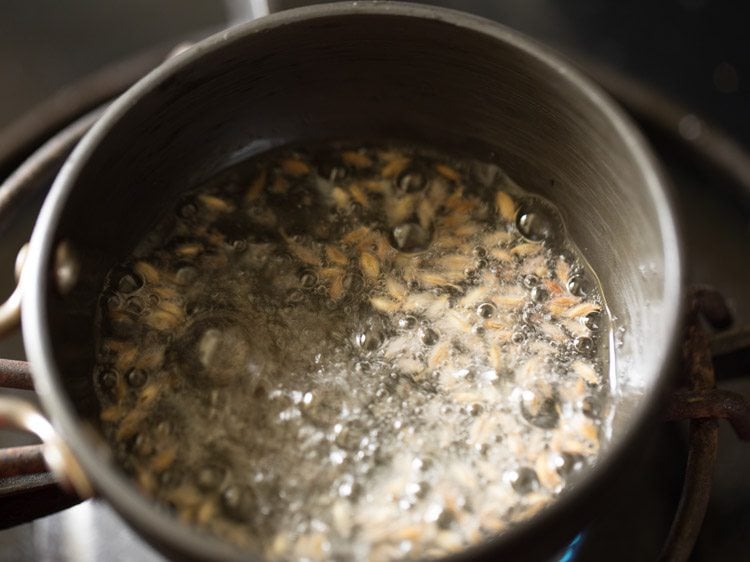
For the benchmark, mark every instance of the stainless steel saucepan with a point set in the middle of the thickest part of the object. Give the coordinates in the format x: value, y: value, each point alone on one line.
x: 348, y: 71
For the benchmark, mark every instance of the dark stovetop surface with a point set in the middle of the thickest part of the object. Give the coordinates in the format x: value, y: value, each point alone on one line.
x: 695, y: 50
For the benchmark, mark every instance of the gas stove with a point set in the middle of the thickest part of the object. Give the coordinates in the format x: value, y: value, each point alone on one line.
x: 711, y: 175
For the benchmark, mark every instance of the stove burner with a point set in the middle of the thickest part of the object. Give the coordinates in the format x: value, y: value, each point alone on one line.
x: 15, y: 374
x: 703, y: 404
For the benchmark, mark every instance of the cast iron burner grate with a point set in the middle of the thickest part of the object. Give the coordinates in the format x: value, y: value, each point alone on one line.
x: 710, y: 348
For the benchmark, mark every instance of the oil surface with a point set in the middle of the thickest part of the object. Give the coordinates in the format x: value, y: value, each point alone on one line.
x: 355, y: 353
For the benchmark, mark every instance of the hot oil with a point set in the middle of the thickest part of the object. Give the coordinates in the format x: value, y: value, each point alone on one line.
x: 355, y: 354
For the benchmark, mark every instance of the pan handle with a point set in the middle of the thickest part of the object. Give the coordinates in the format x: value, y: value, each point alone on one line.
x: 40, y: 479
x: 27, y: 489
x: 16, y: 413
x: 10, y: 310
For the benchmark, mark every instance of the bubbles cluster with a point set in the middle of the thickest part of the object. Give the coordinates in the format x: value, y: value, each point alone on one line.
x: 355, y: 353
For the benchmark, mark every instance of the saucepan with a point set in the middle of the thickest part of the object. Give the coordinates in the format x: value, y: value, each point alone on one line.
x: 349, y: 71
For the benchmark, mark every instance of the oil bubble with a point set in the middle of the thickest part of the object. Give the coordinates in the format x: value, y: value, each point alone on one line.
x: 186, y: 275
x: 428, y: 336
x: 347, y: 487
x: 407, y: 322
x: 350, y: 436
x: 421, y: 464
x: 238, y: 502
x: 216, y: 350
x: 410, y: 237
x: 523, y: 480
x: 538, y: 294
x: 210, y: 477
x: 591, y: 407
x: 578, y: 286
x: 108, y: 379
x: 537, y: 220
x: 567, y: 463
x: 308, y: 279
x: 465, y: 374
x: 163, y: 431
x: 411, y: 180
x: 539, y: 408
x: 475, y: 409
x: 583, y: 345
x: 238, y: 245
x: 370, y: 339
x: 170, y: 478
x: 129, y: 283
x: 142, y: 444
x: 417, y: 489
x: 482, y: 448
x: 135, y: 305
x: 353, y: 282
x: 486, y: 174
x: 187, y: 211
x: 593, y: 321
x: 295, y: 296
x: 486, y: 310
x: 332, y: 172
x: 136, y: 377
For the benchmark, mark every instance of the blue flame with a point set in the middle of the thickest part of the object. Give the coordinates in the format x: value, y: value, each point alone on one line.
x: 572, y: 549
